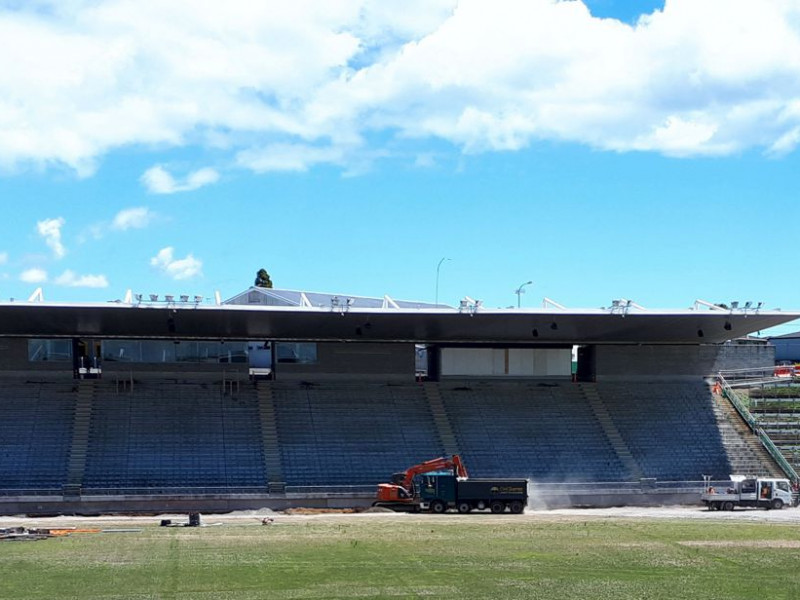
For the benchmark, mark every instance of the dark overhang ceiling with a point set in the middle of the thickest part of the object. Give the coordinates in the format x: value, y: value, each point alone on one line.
x: 115, y: 320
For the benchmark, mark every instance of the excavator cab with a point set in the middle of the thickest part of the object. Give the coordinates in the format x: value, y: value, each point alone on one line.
x: 388, y: 492
x: 401, y: 493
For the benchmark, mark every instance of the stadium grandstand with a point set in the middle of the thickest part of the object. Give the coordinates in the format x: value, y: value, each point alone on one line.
x: 278, y: 398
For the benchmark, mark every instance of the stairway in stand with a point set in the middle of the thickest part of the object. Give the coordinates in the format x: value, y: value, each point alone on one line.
x: 80, y: 438
x: 269, y: 433
x: 745, y: 451
x: 441, y: 420
x: 613, y: 435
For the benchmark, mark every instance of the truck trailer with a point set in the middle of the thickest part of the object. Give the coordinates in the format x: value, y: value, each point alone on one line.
x: 761, y: 492
x: 442, y: 491
x: 443, y: 483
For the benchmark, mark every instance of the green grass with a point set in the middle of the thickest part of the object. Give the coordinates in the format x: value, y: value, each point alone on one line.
x: 435, y: 557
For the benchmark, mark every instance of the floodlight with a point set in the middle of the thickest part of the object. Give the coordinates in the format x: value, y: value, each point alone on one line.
x: 735, y: 304
x: 169, y: 298
x: 747, y: 304
x: 153, y: 297
x: 184, y: 298
x: 198, y: 299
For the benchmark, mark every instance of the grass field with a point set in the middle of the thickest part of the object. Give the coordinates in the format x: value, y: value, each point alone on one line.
x: 380, y: 556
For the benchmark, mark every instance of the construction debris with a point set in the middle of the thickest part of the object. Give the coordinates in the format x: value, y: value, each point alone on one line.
x: 194, y: 521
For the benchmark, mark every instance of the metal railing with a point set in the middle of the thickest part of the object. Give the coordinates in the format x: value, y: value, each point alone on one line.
x: 729, y: 393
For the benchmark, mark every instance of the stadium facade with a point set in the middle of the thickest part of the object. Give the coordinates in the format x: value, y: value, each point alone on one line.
x: 280, y: 397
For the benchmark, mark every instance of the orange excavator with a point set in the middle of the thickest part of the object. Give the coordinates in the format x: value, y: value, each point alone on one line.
x: 401, y: 494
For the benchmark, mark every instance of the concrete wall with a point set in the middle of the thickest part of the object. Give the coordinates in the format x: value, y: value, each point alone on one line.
x: 506, y: 362
x: 648, y: 362
x: 354, y: 360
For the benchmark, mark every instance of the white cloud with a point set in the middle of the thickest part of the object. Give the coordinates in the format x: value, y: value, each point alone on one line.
x: 182, y: 268
x: 132, y: 218
x: 159, y: 181
x: 70, y: 279
x: 341, y: 82
x: 50, y: 230
x: 3, y: 258
x: 287, y: 157
x: 34, y: 275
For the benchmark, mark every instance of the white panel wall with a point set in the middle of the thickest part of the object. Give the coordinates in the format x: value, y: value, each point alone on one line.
x: 511, y: 362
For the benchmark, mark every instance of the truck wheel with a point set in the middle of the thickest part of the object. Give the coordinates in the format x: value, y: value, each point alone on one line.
x: 498, y: 507
x: 727, y: 505
x: 438, y: 507
x: 715, y: 506
x: 517, y: 507
x: 464, y: 507
x: 777, y: 504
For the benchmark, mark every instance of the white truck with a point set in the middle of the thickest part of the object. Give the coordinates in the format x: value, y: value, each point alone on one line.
x: 763, y: 492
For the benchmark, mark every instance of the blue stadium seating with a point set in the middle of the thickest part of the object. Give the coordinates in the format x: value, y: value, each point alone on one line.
x: 352, y: 434
x: 175, y: 436
x: 189, y: 438
x: 670, y: 428
x: 35, y: 434
x: 544, y: 432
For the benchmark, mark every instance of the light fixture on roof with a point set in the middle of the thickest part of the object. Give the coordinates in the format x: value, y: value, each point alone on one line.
x: 747, y: 305
x: 153, y: 297
x: 138, y: 297
x: 184, y: 298
x: 169, y: 298
x: 759, y: 305
x: 735, y: 304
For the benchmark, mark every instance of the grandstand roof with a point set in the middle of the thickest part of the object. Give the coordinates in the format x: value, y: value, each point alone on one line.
x: 279, y: 297
x: 339, y: 321
x: 786, y: 336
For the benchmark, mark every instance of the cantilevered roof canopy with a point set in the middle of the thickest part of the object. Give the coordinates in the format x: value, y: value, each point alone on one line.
x: 468, y: 324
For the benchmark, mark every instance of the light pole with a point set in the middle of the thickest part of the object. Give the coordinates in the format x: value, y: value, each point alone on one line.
x: 519, y: 291
x: 438, y: 267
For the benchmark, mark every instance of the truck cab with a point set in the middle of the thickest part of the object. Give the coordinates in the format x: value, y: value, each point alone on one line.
x: 440, y: 492
x: 763, y: 492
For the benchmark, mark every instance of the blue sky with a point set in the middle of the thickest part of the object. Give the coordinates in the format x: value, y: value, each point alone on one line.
x: 601, y: 149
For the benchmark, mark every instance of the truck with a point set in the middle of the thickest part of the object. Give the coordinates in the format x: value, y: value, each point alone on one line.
x: 443, y: 483
x: 761, y: 492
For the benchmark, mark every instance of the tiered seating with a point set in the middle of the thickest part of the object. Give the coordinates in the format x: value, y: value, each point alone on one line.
x: 670, y: 428
x: 35, y: 434
x: 339, y: 434
x: 167, y: 436
x: 544, y: 432
x: 778, y: 412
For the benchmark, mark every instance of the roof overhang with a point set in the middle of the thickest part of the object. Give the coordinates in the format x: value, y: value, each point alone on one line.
x: 502, y: 326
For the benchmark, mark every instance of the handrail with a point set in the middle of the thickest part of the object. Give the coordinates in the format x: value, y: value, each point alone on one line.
x: 752, y: 422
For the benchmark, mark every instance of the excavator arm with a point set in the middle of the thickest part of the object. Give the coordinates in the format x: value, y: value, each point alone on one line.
x: 401, y: 491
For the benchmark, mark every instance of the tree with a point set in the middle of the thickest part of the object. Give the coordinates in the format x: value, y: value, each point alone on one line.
x: 262, y: 279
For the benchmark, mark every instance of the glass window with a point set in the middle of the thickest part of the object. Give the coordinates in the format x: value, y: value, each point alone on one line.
x: 122, y: 351
x: 300, y: 353
x: 783, y: 485
x: 50, y: 350
x: 167, y: 351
